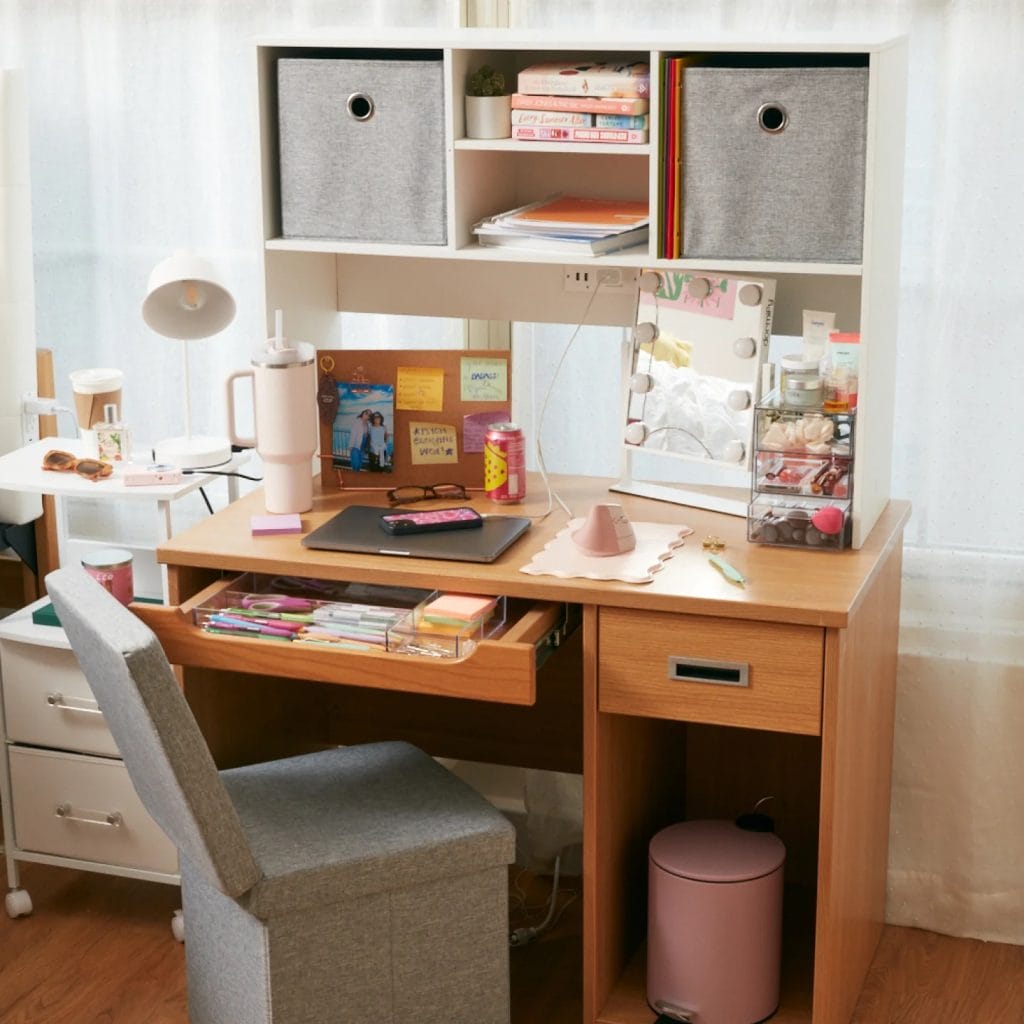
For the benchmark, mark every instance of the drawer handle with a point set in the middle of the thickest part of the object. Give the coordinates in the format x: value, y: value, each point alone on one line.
x: 360, y: 106
x: 84, y: 707
x: 699, y: 670
x: 114, y: 819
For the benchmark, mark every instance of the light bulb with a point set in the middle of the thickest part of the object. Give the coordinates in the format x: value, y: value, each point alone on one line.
x: 699, y: 287
x: 744, y: 348
x: 649, y: 281
x: 193, y: 296
x: 641, y: 383
x: 750, y: 295
x: 644, y: 333
x: 738, y: 400
x: 734, y: 451
x: 636, y: 433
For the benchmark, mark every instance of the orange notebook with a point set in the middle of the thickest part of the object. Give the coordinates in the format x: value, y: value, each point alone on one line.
x: 581, y: 212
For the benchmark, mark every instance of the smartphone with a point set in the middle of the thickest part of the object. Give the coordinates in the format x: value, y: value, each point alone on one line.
x: 426, y: 522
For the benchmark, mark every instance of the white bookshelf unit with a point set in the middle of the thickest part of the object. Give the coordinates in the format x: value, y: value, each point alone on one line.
x: 314, y: 280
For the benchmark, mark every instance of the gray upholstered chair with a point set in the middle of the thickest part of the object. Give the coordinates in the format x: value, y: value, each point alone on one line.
x: 355, y: 885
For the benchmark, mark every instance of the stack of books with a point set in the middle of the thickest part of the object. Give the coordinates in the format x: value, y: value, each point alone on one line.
x: 583, y: 102
x: 569, y: 224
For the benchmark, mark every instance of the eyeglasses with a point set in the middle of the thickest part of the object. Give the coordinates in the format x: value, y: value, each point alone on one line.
x: 412, y: 493
x: 65, y: 462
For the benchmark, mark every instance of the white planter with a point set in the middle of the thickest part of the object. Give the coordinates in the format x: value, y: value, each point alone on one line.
x: 488, y: 117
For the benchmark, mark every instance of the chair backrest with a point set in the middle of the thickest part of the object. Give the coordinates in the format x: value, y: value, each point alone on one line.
x: 154, y: 729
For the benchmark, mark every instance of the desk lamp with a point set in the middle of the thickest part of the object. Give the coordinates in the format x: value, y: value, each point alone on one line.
x: 186, y: 300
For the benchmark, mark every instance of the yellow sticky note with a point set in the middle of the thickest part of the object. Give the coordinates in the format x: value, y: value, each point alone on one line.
x: 431, y: 443
x: 420, y: 387
x: 484, y: 380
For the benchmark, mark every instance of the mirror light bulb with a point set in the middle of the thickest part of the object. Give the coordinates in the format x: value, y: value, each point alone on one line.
x: 636, y: 433
x: 750, y: 295
x: 699, y: 287
x: 645, y: 333
x: 744, y: 348
x: 734, y: 451
x: 641, y: 383
x: 649, y: 281
x: 738, y: 400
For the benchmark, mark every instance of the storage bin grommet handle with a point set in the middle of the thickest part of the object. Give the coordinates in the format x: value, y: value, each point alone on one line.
x: 772, y: 117
x: 360, y: 106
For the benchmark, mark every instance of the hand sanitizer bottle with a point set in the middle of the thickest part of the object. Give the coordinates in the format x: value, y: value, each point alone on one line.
x: 112, y: 437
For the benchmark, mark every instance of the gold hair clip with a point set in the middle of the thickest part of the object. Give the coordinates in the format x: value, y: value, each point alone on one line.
x: 713, y: 544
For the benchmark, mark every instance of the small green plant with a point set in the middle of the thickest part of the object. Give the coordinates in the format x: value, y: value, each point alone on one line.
x: 486, y: 82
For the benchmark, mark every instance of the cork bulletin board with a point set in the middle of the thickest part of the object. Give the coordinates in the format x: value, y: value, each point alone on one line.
x: 392, y: 417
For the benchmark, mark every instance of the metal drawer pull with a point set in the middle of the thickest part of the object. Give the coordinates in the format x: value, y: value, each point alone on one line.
x: 112, y: 818
x: 698, y: 670
x: 85, y: 707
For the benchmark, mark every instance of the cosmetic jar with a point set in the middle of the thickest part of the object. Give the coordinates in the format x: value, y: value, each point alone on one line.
x: 112, y: 569
x: 802, y: 386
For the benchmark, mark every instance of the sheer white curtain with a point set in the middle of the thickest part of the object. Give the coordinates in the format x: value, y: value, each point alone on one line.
x: 144, y: 138
x: 957, y: 849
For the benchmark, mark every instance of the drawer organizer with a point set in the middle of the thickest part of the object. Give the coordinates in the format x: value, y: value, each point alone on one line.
x: 495, y: 660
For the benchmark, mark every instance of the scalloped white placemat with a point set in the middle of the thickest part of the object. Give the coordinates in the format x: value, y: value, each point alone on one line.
x: 655, y: 542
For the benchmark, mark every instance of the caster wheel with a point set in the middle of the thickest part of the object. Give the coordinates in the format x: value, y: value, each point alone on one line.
x: 178, y: 926
x: 18, y: 903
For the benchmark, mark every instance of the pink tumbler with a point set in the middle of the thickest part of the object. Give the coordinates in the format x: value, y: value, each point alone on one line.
x: 284, y: 402
x: 714, y: 922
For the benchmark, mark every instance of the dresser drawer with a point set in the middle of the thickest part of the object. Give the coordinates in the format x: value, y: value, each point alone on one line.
x: 47, y: 701
x: 61, y: 803
x: 695, y: 668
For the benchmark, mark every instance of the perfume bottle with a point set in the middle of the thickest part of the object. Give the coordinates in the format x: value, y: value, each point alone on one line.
x: 112, y: 437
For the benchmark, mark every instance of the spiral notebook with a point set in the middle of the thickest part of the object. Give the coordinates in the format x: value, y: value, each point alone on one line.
x: 357, y: 529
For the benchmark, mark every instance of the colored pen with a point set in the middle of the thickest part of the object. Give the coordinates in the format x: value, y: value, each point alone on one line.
x: 235, y: 631
x: 247, y: 626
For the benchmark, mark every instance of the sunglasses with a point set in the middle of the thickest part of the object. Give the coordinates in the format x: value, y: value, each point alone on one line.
x: 412, y: 493
x: 65, y: 462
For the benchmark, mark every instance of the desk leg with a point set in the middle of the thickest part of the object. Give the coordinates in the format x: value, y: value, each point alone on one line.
x: 633, y: 785
x: 857, y: 732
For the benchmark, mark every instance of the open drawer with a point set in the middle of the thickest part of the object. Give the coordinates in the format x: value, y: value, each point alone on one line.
x: 501, y: 668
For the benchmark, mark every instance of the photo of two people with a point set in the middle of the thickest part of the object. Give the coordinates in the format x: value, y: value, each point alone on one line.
x: 362, y: 438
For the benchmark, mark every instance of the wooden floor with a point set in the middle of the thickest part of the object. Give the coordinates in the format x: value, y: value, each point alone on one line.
x: 98, y: 950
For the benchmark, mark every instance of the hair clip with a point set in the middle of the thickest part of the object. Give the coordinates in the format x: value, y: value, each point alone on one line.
x: 713, y: 544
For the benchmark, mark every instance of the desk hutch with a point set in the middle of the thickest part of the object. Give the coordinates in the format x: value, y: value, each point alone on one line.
x: 817, y: 631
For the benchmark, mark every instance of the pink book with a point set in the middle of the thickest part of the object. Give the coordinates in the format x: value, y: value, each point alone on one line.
x: 591, y: 104
x: 559, y: 117
x: 586, y: 78
x: 554, y: 133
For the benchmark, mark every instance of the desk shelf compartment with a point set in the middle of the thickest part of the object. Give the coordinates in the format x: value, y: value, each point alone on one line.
x: 501, y: 668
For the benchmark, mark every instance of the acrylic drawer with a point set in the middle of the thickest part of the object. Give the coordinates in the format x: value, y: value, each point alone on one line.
x: 502, y: 668
x: 47, y: 701
x: 695, y: 668
x: 70, y: 805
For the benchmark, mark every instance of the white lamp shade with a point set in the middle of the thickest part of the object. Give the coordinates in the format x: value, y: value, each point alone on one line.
x: 186, y: 298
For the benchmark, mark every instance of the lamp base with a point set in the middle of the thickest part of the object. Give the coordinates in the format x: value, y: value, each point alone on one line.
x: 194, y: 452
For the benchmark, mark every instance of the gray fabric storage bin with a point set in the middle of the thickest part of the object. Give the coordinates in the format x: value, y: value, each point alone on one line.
x: 362, y: 149
x: 792, y: 194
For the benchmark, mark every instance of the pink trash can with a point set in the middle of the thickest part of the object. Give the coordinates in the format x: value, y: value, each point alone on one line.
x: 714, y: 922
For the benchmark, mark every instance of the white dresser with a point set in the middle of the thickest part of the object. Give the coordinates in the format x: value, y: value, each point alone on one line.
x: 66, y: 795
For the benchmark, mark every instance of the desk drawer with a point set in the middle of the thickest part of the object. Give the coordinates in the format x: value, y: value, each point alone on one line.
x: 48, y: 703
x: 86, y: 790
x: 695, y: 668
x: 501, y: 669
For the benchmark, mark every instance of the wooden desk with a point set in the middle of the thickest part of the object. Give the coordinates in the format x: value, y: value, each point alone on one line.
x: 813, y: 728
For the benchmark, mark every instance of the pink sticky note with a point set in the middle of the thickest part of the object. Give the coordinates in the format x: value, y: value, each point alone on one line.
x: 263, y: 526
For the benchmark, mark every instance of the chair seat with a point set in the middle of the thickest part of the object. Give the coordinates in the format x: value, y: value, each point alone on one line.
x: 358, y: 820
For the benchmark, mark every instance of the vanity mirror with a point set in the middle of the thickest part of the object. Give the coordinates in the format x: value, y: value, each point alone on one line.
x: 694, y: 370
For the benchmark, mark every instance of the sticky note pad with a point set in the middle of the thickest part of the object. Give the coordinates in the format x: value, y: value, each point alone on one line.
x: 263, y: 526
x: 457, y: 608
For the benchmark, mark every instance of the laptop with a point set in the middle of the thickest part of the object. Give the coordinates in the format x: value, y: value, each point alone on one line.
x: 357, y: 529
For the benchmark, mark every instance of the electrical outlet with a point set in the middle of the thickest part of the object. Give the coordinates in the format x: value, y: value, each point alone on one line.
x: 586, y: 279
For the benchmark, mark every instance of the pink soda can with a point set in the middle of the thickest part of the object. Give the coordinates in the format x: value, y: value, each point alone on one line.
x: 504, y: 463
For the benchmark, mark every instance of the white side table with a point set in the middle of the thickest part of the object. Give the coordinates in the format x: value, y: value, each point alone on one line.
x: 21, y: 471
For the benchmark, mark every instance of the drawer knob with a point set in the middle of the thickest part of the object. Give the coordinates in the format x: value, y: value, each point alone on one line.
x: 701, y: 670
x: 113, y: 819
